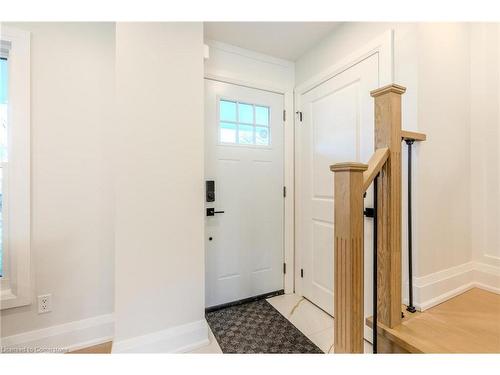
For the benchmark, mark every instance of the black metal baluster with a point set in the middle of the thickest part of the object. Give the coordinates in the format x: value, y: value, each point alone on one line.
x: 410, y: 307
x: 375, y: 291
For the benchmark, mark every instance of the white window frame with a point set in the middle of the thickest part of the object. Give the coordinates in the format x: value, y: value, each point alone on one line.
x: 15, y: 284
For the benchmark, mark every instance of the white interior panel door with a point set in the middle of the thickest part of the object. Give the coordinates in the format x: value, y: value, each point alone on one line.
x: 244, y: 156
x: 337, y: 125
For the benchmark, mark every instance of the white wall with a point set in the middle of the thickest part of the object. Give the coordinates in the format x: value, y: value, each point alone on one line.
x: 443, y: 235
x: 444, y: 231
x: 159, y: 256
x: 485, y: 157
x: 72, y: 82
x: 434, y: 62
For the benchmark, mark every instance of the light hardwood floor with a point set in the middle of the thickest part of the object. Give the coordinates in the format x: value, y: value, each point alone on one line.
x: 104, y: 348
x: 467, y: 323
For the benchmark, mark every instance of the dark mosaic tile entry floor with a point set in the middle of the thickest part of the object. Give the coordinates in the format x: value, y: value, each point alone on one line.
x: 257, y: 327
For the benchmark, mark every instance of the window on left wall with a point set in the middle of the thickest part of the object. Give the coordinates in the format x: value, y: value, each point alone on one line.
x: 15, y: 266
x: 4, y: 76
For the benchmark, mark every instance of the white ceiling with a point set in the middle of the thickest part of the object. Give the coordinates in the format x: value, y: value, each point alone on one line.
x: 286, y: 40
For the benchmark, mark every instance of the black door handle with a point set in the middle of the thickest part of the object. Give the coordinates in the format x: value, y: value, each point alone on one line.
x: 212, y: 212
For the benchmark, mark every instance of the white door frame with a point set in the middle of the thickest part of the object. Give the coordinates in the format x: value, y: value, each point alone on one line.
x: 288, y: 169
x: 383, y: 45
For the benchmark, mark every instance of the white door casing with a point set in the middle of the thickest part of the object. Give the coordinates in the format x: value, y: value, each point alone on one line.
x: 244, y: 257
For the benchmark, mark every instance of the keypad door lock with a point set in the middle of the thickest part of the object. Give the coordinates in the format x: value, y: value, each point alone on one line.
x: 210, y: 191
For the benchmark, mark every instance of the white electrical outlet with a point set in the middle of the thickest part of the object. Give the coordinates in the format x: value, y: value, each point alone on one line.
x: 44, y: 303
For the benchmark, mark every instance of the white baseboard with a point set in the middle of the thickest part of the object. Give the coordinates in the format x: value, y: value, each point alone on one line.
x: 64, y: 337
x: 489, y: 288
x: 487, y: 277
x: 435, y: 288
x: 422, y: 306
x: 177, y: 339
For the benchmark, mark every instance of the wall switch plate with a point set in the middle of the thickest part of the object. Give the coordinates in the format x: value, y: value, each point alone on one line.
x: 44, y: 303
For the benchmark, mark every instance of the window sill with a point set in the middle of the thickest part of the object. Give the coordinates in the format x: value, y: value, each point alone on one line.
x: 9, y: 300
x: 6, y: 295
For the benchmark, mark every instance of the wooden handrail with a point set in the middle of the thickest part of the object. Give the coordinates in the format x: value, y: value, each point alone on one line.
x: 407, y: 135
x: 375, y: 164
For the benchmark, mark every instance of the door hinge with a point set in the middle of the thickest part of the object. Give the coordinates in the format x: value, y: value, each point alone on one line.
x: 299, y: 113
x: 302, y: 272
x: 284, y: 268
x: 284, y: 191
x: 284, y: 115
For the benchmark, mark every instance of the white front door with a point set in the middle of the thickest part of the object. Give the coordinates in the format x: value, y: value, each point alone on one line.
x: 337, y: 125
x: 244, y: 158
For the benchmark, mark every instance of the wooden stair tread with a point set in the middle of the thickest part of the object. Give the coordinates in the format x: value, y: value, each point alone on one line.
x: 468, y: 323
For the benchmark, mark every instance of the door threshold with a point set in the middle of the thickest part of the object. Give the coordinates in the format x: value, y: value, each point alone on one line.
x: 245, y: 300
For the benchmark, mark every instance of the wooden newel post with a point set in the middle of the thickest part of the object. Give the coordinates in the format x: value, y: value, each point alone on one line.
x: 388, y: 134
x: 348, y: 257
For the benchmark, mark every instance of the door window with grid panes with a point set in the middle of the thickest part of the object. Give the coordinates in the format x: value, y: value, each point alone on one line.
x: 244, y: 124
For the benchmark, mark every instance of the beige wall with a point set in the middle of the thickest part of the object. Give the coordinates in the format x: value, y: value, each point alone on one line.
x: 159, y: 256
x: 72, y: 83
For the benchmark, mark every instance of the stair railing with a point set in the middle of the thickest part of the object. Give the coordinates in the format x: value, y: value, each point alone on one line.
x: 352, y: 179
